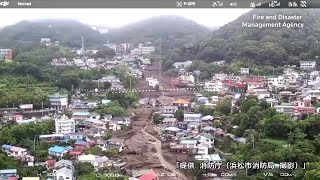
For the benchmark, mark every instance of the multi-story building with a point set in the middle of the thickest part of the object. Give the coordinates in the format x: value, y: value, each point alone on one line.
x: 6, y: 54
x: 190, y: 117
x: 58, y: 101
x: 214, y: 86
x: 65, y: 125
x: 307, y: 64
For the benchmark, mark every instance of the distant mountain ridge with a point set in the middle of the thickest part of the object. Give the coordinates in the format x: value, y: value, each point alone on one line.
x: 68, y: 32
x: 279, y: 46
x: 169, y: 28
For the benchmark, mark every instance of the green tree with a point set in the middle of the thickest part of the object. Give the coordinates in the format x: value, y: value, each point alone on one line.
x: 94, y: 150
x: 84, y: 168
x: 179, y: 114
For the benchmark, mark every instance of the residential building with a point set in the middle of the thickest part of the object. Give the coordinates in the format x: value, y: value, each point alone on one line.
x: 8, y: 174
x: 214, y: 86
x: 58, y: 101
x: 209, y: 158
x: 307, y: 64
x: 64, y: 170
x: 181, y: 103
x: 191, y: 117
x: 220, y: 77
x: 303, y: 100
x: 244, y: 71
x: 81, y: 145
x: 276, y: 82
x: 168, y: 110
x: 45, y: 40
x: 284, y: 109
x: 145, y: 174
x: 219, y: 62
x: 80, y: 116
x: 6, y: 54
x: 13, y: 150
x: 169, y: 121
x: 142, y: 50
x: 65, y: 125
x: 58, y: 151
x: 98, y: 162
x: 180, y: 65
x: 111, y: 79
x: 254, y: 84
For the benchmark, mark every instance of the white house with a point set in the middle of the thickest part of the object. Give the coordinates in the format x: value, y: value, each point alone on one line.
x: 244, y: 71
x: 214, y: 100
x: 253, y: 85
x: 58, y: 101
x: 214, y: 86
x: 179, y: 65
x: 190, y: 117
x: 276, y: 81
x: 168, y: 110
x: 307, y: 64
x: 64, y: 125
x: 98, y: 162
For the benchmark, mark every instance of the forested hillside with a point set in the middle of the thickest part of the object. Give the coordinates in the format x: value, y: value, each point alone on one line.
x: 172, y: 30
x: 271, y: 46
x: 67, y: 32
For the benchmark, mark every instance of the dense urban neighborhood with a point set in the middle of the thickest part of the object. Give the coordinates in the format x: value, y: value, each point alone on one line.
x: 147, y: 109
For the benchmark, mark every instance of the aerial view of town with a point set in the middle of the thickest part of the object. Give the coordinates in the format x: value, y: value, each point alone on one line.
x: 164, y: 98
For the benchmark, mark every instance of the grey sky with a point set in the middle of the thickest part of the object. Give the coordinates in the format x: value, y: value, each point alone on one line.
x: 120, y: 17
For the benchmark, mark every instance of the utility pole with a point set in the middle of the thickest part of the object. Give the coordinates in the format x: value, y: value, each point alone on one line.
x: 252, y: 141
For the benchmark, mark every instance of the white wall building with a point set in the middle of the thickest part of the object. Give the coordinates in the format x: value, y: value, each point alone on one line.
x: 276, y: 82
x: 214, y: 86
x: 307, y: 64
x: 190, y: 117
x: 58, y: 101
x: 244, y: 71
x: 64, y: 125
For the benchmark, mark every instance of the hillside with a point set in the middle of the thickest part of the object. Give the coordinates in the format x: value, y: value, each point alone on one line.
x: 174, y: 30
x: 277, y: 46
x: 68, y: 32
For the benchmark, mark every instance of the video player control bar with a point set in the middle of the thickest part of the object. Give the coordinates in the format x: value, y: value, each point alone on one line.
x: 213, y: 4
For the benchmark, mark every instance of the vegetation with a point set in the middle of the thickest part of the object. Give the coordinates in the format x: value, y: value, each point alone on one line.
x: 179, y: 114
x: 157, y: 118
x: 84, y: 168
x: 252, y: 47
x: 67, y: 32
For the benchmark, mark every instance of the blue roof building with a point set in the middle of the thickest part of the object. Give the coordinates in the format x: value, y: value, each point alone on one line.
x: 57, y: 151
x: 6, y: 147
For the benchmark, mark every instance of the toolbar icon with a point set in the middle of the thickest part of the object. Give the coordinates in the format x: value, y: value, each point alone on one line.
x: 293, y: 4
x: 234, y: 4
x: 179, y: 3
x: 259, y: 4
x: 4, y: 3
x: 217, y: 4
x: 274, y: 4
x: 303, y: 4
x: 253, y: 4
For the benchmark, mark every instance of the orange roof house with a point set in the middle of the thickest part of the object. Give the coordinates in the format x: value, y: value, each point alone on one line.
x: 181, y: 102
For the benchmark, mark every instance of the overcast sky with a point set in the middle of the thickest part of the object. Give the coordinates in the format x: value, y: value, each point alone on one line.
x: 120, y: 17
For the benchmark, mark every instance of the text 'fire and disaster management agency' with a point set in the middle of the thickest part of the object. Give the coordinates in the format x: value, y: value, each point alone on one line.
x: 280, y: 21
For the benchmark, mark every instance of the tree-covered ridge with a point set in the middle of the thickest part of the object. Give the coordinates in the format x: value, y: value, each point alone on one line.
x: 267, y: 46
x: 172, y: 30
x: 67, y: 32
x: 277, y: 46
